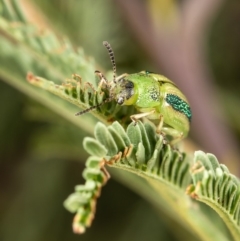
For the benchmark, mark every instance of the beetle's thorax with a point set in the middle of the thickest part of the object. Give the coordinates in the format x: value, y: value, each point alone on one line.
x: 124, y: 91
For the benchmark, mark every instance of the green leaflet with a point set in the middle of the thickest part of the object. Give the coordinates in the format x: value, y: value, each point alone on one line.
x: 215, y: 186
x: 141, y: 151
x: 83, y: 200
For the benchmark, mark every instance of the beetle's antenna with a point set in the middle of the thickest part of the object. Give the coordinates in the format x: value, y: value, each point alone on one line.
x: 111, y: 54
x: 94, y: 107
x: 112, y: 58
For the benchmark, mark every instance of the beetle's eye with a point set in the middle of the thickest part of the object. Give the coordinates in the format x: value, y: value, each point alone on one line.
x: 129, y: 85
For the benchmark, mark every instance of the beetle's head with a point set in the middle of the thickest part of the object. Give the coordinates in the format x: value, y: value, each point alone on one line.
x: 124, y: 91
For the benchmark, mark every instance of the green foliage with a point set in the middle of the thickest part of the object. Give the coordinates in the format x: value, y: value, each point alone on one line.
x: 84, y: 95
x: 140, y: 151
x: 214, y: 185
x: 83, y: 200
x: 27, y: 48
x: 135, y: 149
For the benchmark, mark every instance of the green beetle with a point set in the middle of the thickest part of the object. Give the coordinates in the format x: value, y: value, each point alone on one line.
x: 154, y: 96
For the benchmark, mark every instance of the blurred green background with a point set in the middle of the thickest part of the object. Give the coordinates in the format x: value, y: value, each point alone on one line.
x: 41, y: 153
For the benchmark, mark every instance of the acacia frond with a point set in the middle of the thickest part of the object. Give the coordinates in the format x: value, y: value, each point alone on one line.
x: 214, y: 185
x: 141, y: 151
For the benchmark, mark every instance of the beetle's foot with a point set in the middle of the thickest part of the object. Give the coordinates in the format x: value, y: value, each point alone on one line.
x: 134, y: 121
x: 165, y: 141
x: 176, y: 150
x: 179, y: 153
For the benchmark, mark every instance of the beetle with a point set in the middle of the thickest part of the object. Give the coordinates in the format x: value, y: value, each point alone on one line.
x: 154, y: 96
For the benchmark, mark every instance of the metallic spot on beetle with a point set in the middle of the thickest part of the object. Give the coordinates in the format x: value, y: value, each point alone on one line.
x: 179, y: 105
x: 148, y: 72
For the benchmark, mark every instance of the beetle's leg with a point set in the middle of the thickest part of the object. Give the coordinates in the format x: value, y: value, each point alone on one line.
x: 121, y: 76
x: 176, y: 134
x: 160, y: 125
x: 103, y: 80
x: 136, y: 117
x: 159, y: 129
x: 113, y: 82
x: 177, y: 139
